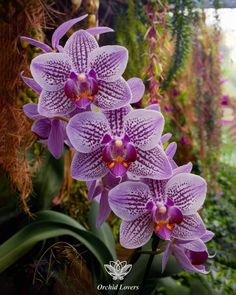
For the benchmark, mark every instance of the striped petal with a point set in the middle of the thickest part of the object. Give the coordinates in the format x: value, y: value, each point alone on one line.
x: 51, y: 70
x: 188, y: 192
x: 152, y: 164
x: 191, y: 228
x: 137, y: 89
x: 109, y: 62
x: 78, y: 47
x: 128, y: 200
x: 86, y: 131
x: 116, y: 119
x: 88, y: 166
x: 144, y: 127
x: 157, y: 188
x: 54, y: 103
x: 112, y: 95
x: 136, y: 233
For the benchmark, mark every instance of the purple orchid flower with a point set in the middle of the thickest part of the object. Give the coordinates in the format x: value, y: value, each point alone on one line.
x: 61, y: 31
x: 167, y: 207
x: 118, y: 141
x: 51, y: 132
x: 191, y: 255
x: 80, y: 75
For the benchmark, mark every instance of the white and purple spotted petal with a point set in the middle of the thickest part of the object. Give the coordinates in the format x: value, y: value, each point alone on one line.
x: 128, y: 200
x: 188, y: 192
x: 78, y: 47
x: 192, y: 227
x: 51, y: 70
x: 157, y: 188
x: 116, y: 119
x: 112, y: 95
x: 109, y: 62
x: 86, y: 131
x: 56, y: 138
x: 64, y: 28
x: 88, y: 166
x: 137, y: 89
x: 55, y: 103
x: 136, y: 233
x: 152, y: 164
x: 144, y: 128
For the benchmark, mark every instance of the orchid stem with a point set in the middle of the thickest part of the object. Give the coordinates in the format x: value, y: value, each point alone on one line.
x: 62, y: 118
x: 155, y: 243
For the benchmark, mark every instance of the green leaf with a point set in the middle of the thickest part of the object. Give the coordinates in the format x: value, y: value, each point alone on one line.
x: 104, y: 233
x: 48, y: 181
x: 172, y: 287
x: 50, y: 224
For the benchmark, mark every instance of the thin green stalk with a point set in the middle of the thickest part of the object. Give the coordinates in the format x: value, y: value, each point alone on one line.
x: 155, y: 243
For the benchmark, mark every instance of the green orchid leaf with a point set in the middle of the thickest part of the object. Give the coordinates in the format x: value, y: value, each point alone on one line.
x: 49, y: 224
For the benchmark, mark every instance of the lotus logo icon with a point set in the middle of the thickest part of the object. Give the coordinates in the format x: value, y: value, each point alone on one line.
x: 118, y: 269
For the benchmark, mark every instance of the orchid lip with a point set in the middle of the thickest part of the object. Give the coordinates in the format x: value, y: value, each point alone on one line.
x: 165, y: 217
x: 197, y: 258
x: 118, y: 154
x: 81, y: 88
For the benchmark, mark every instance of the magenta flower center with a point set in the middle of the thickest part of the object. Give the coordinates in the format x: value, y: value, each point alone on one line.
x: 81, y: 88
x: 165, y: 216
x: 118, y: 154
x: 197, y: 258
